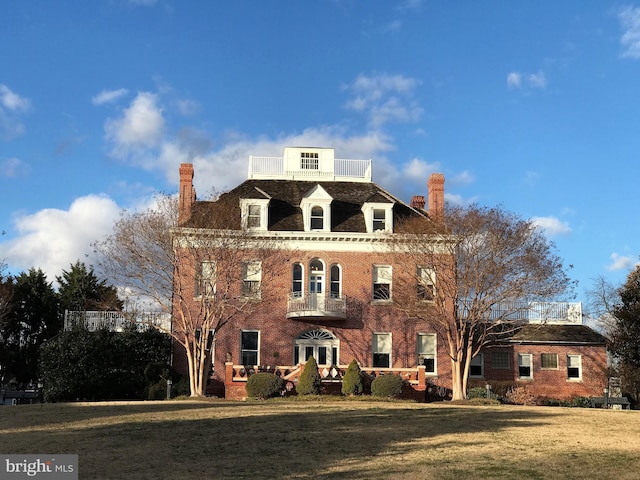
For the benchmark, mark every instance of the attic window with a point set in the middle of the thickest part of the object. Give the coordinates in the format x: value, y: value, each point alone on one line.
x: 309, y: 161
x: 317, y: 218
x: 379, y: 216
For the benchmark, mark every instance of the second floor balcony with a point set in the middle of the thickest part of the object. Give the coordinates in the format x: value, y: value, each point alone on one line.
x: 316, y: 306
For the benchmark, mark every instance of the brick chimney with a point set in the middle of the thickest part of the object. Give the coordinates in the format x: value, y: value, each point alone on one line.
x: 418, y: 202
x: 435, y: 184
x: 187, y: 193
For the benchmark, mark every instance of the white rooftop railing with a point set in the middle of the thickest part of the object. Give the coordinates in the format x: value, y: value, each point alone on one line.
x: 559, y: 313
x: 272, y: 168
x: 116, y: 321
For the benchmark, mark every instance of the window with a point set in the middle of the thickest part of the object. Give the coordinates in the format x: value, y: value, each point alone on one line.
x: 525, y: 369
x: 336, y: 281
x: 253, y: 216
x: 382, y: 350
x: 426, y: 350
x: 320, y: 343
x: 316, y: 276
x: 426, y: 286
x: 381, y: 282
x: 296, y: 285
x: 549, y: 360
x: 379, y: 216
x: 251, y: 277
x: 500, y: 360
x: 574, y: 367
x: 206, y: 279
x: 476, y: 367
x: 309, y: 161
x: 317, y: 218
x: 249, y: 347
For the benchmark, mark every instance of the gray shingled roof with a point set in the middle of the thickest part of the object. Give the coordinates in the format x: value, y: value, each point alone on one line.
x: 284, y: 206
x: 565, y: 334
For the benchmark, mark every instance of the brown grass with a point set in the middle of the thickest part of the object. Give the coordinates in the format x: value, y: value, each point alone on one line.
x: 326, y: 439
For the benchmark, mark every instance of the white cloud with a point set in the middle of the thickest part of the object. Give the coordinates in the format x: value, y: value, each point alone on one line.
x: 630, y: 21
x: 52, y: 239
x: 622, y: 262
x: 462, y: 178
x: 552, y: 226
x: 142, y: 3
x: 141, y: 126
x: 12, y: 106
x: 108, y: 96
x: 14, y: 167
x: 526, y: 81
x: 384, y: 98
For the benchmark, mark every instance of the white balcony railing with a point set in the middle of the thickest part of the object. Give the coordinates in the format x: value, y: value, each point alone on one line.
x: 316, y: 305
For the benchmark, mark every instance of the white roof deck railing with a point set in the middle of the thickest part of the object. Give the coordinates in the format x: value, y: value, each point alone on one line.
x: 558, y: 313
x: 341, y: 169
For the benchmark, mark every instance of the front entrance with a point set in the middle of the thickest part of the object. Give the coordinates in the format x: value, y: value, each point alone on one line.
x: 319, y: 343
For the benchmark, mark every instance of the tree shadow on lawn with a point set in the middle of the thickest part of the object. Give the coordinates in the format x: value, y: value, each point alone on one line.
x: 262, y: 441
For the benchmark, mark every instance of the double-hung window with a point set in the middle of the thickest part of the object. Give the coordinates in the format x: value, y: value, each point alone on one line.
x: 381, y: 347
x: 426, y: 285
x: 476, y: 367
x: 296, y: 280
x: 525, y: 366
x: 336, y: 281
x: 250, y: 347
x: 549, y: 361
x: 206, y: 279
x: 426, y: 350
x: 317, y: 218
x: 251, y: 278
x: 574, y: 367
x: 379, y: 219
x: 382, y: 282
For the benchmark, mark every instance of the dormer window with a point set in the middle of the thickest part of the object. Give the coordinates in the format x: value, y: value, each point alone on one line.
x: 317, y: 218
x: 378, y: 217
x: 316, y: 210
x: 254, y: 214
x: 309, y: 161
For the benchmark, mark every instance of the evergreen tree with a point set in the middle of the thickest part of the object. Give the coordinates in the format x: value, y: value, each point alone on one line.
x: 625, y: 334
x: 310, y: 381
x: 34, y: 318
x: 352, y: 381
x: 81, y: 290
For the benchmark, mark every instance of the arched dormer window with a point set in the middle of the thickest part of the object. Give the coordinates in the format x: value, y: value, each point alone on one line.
x: 316, y: 210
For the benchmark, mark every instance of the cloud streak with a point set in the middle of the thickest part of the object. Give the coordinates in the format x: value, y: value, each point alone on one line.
x: 629, y: 18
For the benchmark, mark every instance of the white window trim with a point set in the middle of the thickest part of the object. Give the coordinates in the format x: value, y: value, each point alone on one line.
x: 264, y: 213
x: 422, y: 353
x: 316, y: 197
x: 427, y: 276
x: 376, y: 272
x: 368, y: 209
x: 579, y: 377
x: 205, y: 279
x: 530, y: 377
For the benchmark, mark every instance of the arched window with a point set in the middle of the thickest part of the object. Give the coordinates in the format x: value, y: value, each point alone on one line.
x: 319, y: 343
x: 316, y: 276
x: 336, y: 281
x: 296, y: 284
x: 317, y: 218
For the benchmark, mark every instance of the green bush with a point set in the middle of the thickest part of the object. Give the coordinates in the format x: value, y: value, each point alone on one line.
x: 480, y: 392
x: 352, y: 380
x: 264, y: 385
x: 386, y: 386
x: 157, y: 391
x: 310, y: 381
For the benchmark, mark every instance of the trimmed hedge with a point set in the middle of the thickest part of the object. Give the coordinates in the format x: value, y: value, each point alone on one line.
x: 387, y: 386
x: 264, y: 385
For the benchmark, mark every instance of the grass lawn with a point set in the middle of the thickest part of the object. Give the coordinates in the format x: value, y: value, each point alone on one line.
x: 327, y: 439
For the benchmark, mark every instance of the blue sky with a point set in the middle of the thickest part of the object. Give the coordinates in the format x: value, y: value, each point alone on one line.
x: 530, y: 105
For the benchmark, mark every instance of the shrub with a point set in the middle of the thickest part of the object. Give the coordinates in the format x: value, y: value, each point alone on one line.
x: 352, y: 380
x: 387, y: 386
x: 521, y: 396
x: 310, y: 381
x: 157, y: 391
x: 480, y: 392
x: 264, y: 385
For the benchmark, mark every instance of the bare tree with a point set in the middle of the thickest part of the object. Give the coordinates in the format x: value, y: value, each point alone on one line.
x: 603, y: 298
x: 205, y: 276
x: 475, y: 283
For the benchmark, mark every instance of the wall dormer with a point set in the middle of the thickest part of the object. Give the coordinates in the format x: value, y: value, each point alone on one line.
x: 316, y: 210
